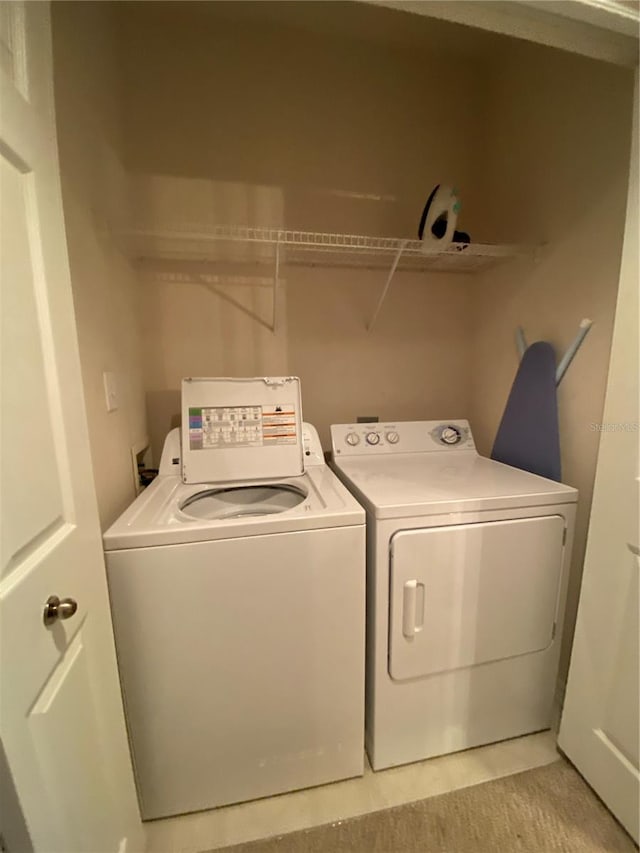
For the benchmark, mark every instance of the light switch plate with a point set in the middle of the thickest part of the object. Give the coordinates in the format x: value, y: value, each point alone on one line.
x: 110, y: 391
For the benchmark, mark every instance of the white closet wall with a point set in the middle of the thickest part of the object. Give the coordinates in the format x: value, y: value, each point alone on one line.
x: 282, y: 115
x: 94, y: 190
x: 264, y: 124
x: 556, y: 147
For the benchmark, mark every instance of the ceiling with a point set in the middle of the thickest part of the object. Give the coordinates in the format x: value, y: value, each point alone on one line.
x: 338, y: 19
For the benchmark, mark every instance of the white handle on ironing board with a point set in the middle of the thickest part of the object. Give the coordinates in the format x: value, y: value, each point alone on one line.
x: 572, y: 349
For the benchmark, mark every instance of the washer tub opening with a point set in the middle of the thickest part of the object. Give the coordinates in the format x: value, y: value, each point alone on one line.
x: 243, y: 501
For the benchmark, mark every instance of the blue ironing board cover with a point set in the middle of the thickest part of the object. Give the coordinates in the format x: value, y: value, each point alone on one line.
x: 528, y: 436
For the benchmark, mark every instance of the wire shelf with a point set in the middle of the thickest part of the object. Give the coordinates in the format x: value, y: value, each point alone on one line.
x: 200, y: 256
x: 251, y: 245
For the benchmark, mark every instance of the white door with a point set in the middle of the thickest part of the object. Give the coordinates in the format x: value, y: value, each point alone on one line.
x: 61, y: 719
x: 599, y: 729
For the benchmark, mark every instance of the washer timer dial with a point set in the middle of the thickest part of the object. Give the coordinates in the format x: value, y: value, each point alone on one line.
x: 373, y: 438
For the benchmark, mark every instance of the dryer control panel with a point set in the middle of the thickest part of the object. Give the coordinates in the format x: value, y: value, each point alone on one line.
x: 401, y: 437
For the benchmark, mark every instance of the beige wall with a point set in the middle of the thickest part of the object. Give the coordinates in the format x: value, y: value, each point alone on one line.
x: 104, y: 285
x: 259, y: 124
x: 276, y: 126
x: 413, y: 365
x: 556, y: 153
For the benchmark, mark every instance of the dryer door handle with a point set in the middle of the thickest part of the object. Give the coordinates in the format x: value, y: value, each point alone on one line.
x: 412, y: 608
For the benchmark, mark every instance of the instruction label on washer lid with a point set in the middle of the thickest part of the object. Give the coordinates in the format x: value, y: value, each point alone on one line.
x: 241, y: 426
x: 278, y: 425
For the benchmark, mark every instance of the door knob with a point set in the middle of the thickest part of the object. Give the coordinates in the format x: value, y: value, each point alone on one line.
x: 59, y: 608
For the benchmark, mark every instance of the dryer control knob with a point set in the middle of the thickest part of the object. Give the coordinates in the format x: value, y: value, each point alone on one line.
x: 450, y: 435
x: 373, y: 438
x: 352, y: 438
x: 392, y: 437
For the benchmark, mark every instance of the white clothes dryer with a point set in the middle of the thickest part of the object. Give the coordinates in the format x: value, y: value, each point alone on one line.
x: 238, y: 603
x: 467, y: 568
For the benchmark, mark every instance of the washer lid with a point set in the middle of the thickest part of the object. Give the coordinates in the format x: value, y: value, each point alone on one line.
x: 411, y: 484
x: 241, y: 429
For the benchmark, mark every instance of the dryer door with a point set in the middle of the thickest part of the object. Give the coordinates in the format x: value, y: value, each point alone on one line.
x: 471, y: 593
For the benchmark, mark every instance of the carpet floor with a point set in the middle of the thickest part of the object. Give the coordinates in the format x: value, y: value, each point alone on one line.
x: 540, y: 811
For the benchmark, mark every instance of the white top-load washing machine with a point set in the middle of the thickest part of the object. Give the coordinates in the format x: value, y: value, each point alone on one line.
x: 467, y: 567
x: 237, y: 587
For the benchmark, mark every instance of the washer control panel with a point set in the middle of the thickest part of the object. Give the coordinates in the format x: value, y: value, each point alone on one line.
x: 401, y: 437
